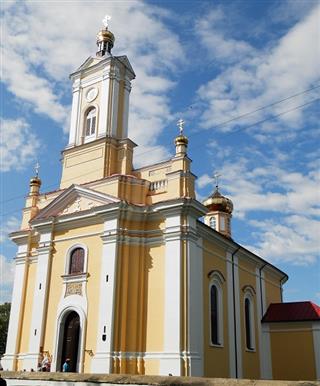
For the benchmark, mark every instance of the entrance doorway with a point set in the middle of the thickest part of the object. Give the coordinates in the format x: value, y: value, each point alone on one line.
x: 71, y: 337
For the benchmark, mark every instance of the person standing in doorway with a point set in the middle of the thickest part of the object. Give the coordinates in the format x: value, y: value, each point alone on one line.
x: 66, y: 366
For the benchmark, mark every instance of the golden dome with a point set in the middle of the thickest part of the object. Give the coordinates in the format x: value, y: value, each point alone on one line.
x: 181, y: 140
x: 35, y: 181
x: 218, y: 202
x: 105, y: 36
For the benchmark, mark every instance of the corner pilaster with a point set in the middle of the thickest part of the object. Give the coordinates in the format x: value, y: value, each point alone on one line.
x: 9, y: 359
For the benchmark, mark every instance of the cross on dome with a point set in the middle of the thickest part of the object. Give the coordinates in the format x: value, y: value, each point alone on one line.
x: 36, y: 168
x: 180, y: 124
x: 216, y: 178
x: 105, y: 20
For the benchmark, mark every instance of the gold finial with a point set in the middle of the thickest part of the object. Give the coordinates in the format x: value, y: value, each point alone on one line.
x: 105, y: 38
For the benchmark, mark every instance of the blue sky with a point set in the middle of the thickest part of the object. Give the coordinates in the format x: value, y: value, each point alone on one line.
x: 244, y: 75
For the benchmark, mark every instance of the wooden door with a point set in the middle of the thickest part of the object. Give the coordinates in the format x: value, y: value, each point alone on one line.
x: 71, y: 340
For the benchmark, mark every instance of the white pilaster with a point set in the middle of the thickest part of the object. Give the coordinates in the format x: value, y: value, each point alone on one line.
x: 102, y: 361
x: 265, y: 367
x: 231, y: 331
x: 195, y: 297
x: 104, y: 103
x: 266, y: 371
x: 125, y: 117
x: 238, y: 316
x: 39, y: 301
x: 74, y: 113
x: 171, y: 362
x: 114, y: 102
x: 17, y: 304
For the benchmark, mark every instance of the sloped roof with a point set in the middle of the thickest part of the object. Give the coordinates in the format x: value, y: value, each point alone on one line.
x: 292, y: 312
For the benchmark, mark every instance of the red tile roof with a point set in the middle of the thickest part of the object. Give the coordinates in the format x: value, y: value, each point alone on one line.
x: 292, y: 312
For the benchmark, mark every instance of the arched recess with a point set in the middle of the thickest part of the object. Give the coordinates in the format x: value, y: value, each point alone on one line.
x: 216, y: 308
x: 249, y: 318
x: 70, y: 318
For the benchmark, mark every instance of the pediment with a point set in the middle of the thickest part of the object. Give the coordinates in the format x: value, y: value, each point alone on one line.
x: 124, y: 59
x: 75, y: 199
x: 90, y: 61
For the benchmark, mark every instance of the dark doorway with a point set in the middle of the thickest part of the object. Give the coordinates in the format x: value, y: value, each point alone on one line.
x: 71, y: 338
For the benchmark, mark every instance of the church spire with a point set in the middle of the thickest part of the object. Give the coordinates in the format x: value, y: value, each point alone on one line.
x: 181, y: 140
x: 105, y: 38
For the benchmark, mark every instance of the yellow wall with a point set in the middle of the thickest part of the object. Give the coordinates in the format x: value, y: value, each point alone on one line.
x: 216, y: 359
x: 94, y: 244
x: 292, y: 351
x: 273, y: 291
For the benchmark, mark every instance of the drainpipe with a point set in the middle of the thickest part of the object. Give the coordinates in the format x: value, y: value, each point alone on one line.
x: 260, y: 280
x: 282, y: 281
x: 234, y: 313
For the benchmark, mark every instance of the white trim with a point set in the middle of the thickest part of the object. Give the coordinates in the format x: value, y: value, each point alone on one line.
x: 316, y: 346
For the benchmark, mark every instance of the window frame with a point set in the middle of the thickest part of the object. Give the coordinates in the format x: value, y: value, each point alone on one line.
x: 93, y: 135
x: 68, y: 260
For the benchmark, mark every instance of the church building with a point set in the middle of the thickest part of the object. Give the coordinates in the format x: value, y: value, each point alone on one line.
x: 123, y: 270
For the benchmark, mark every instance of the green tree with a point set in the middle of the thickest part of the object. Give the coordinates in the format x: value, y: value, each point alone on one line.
x: 4, y: 322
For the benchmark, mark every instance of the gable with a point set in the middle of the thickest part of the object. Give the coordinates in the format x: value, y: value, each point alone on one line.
x: 75, y: 199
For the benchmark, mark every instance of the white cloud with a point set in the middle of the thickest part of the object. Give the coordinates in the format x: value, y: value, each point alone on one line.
x: 18, y: 145
x: 45, y: 42
x: 11, y: 224
x: 252, y: 78
x: 288, y: 240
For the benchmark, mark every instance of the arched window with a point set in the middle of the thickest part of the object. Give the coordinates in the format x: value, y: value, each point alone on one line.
x: 213, y: 222
x: 216, y: 307
x: 76, y: 264
x: 90, y: 124
x: 249, y: 322
x: 214, y: 315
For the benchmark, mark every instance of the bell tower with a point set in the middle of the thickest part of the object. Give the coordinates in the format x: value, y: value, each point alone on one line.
x: 98, y: 138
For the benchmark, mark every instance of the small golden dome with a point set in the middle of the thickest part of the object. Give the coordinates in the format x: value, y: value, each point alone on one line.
x: 218, y: 202
x: 105, y: 36
x: 181, y: 140
x: 35, y: 181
